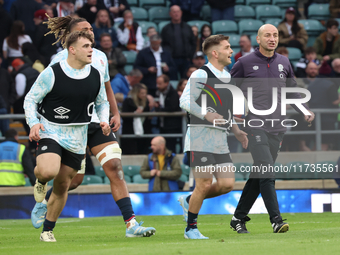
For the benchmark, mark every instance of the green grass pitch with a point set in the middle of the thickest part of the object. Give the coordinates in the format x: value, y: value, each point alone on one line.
x: 309, y: 234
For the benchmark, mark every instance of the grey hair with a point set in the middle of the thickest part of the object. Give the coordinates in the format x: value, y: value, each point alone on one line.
x: 155, y: 37
x: 136, y: 73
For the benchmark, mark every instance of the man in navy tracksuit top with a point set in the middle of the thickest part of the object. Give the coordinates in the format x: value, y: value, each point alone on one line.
x: 264, y: 70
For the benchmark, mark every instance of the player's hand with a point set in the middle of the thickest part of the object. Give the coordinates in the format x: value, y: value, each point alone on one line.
x: 34, y: 133
x: 115, y: 121
x: 153, y: 172
x: 106, y: 128
x: 242, y: 137
x: 211, y: 116
x: 238, y: 120
x: 158, y: 173
x: 310, y: 118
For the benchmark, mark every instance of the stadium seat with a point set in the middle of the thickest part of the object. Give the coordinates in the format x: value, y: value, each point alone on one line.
x: 50, y: 183
x: 249, y: 26
x: 145, y: 25
x: 329, y: 173
x: 285, y: 3
x: 224, y: 27
x: 234, y: 41
x: 139, y: 13
x: 264, y: 12
x: 239, y: 177
x: 27, y: 182
x: 92, y: 179
x: 274, y: 22
x: 158, y: 14
x: 131, y: 170
x: 253, y: 41
x: 318, y: 11
x: 138, y: 179
x: 147, y: 4
x: 161, y: 25
x: 127, y: 179
x: 99, y: 171
x: 254, y: 3
x: 174, y: 84
x: 185, y: 169
x: 311, y: 41
x: 312, y: 27
x: 183, y: 178
x: 240, y: 2
x: 338, y: 20
x: 294, y: 54
x: 206, y: 13
x: 128, y: 68
x: 133, y: 3
x: 244, y: 12
x: 130, y: 57
x: 198, y: 23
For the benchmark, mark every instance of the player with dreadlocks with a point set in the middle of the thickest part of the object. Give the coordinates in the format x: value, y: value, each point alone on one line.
x: 105, y: 148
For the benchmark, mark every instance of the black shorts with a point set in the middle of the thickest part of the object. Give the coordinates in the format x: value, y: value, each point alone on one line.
x: 68, y: 158
x: 96, y: 137
x: 199, y: 158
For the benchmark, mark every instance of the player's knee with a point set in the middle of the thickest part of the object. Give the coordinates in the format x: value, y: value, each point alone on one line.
x: 60, y: 187
x: 76, y: 181
x: 46, y: 175
x: 205, y: 185
x: 113, y: 169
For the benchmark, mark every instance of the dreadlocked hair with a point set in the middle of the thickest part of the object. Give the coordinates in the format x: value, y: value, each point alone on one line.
x: 61, y: 27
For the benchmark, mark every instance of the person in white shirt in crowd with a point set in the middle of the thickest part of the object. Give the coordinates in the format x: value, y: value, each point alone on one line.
x: 246, y: 48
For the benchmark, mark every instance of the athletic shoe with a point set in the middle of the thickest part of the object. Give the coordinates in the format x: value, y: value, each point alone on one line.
x: 135, y: 230
x: 38, y: 214
x: 240, y: 225
x: 194, y: 233
x: 183, y: 202
x: 280, y: 227
x: 47, y: 236
x: 39, y: 191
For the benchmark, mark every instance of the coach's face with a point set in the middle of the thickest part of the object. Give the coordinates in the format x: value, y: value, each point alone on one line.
x: 268, y: 37
x: 83, y: 50
x: 224, y: 53
x: 84, y: 26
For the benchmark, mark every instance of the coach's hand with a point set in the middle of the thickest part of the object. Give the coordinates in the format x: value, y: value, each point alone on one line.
x: 310, y: 118
x: 106, y: 128
x: 242, y: 137
x: 211, y: 116
x: 115, y: 121
x: 34, y: 133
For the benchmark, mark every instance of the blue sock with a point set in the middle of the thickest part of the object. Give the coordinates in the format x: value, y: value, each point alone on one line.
x: 192, y: 221
x: 48, y: 225
x: 188, y: 198
x: 48, y: 194
x: 125, y: 207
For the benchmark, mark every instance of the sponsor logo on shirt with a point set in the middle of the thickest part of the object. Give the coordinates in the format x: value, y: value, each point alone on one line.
x: 280, y: 67
x: 204, y: 159
x: 255, y: 68
x: 61, y: 111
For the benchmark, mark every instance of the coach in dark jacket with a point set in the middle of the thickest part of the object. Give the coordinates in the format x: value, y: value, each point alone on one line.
x: 178, y: 38
x: 155, y: 61
x: 263, y: 70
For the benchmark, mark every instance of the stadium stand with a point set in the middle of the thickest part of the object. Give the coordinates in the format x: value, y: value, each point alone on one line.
x: 244, y: 12
x: 274, y: 22
x: 254, y: 3
x: 224, y: 27
x: 147, y: 4
x: 145, y: 25
x: 138, y: 179
x: 249, y: 26
x: 131, y: 170
x: 139, y: 14
x: 198, y: 23
x: 285, y: 3
x: 319, y: 11
x: 158, y: 14
x: 92, y: 179
x: 161, y: 25
x: 206, y: 13
x: 264, y: 12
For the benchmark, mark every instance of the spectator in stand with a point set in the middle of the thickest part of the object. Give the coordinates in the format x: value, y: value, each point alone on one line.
x: 191, y: 9
x: 102, y: 25
x: 205, y: 33
x: 49, y: 11
x: 327, y: 45
x: 199, y: 59
x: 32, y: 57
x: 16, y: 161
x: 292, y: 33
x: 43, y: 42
x: 178, y: 38
x: 190, y: 70
x: 162, y: 167
x: 90, y: 9
x: 130, y: 33
x: 149, y: 32
x: 168, y: 102
x: 197, y: 39
x: 6, y: 23
x: 23, y: 10
x: 115, y: 57
x: 222, y: 10
x: 7, y: 88
x: 334, y: 8
x: 136, y: 102
x: 123, y: 84
x: 11, y: 47
x: 246, y: 48
x: 153, y: 62
x: 4, y: 123
x: 324, y: 95
x: 180, y: 86
x: 63, y: 8
x: 117, y: 8
x: 310, y: 56
x: 335, y: 68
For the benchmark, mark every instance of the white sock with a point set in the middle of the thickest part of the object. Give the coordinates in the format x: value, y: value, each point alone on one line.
x: 234, y: 218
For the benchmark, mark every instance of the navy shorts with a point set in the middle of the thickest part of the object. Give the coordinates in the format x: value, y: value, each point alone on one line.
x: 96, y: 137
